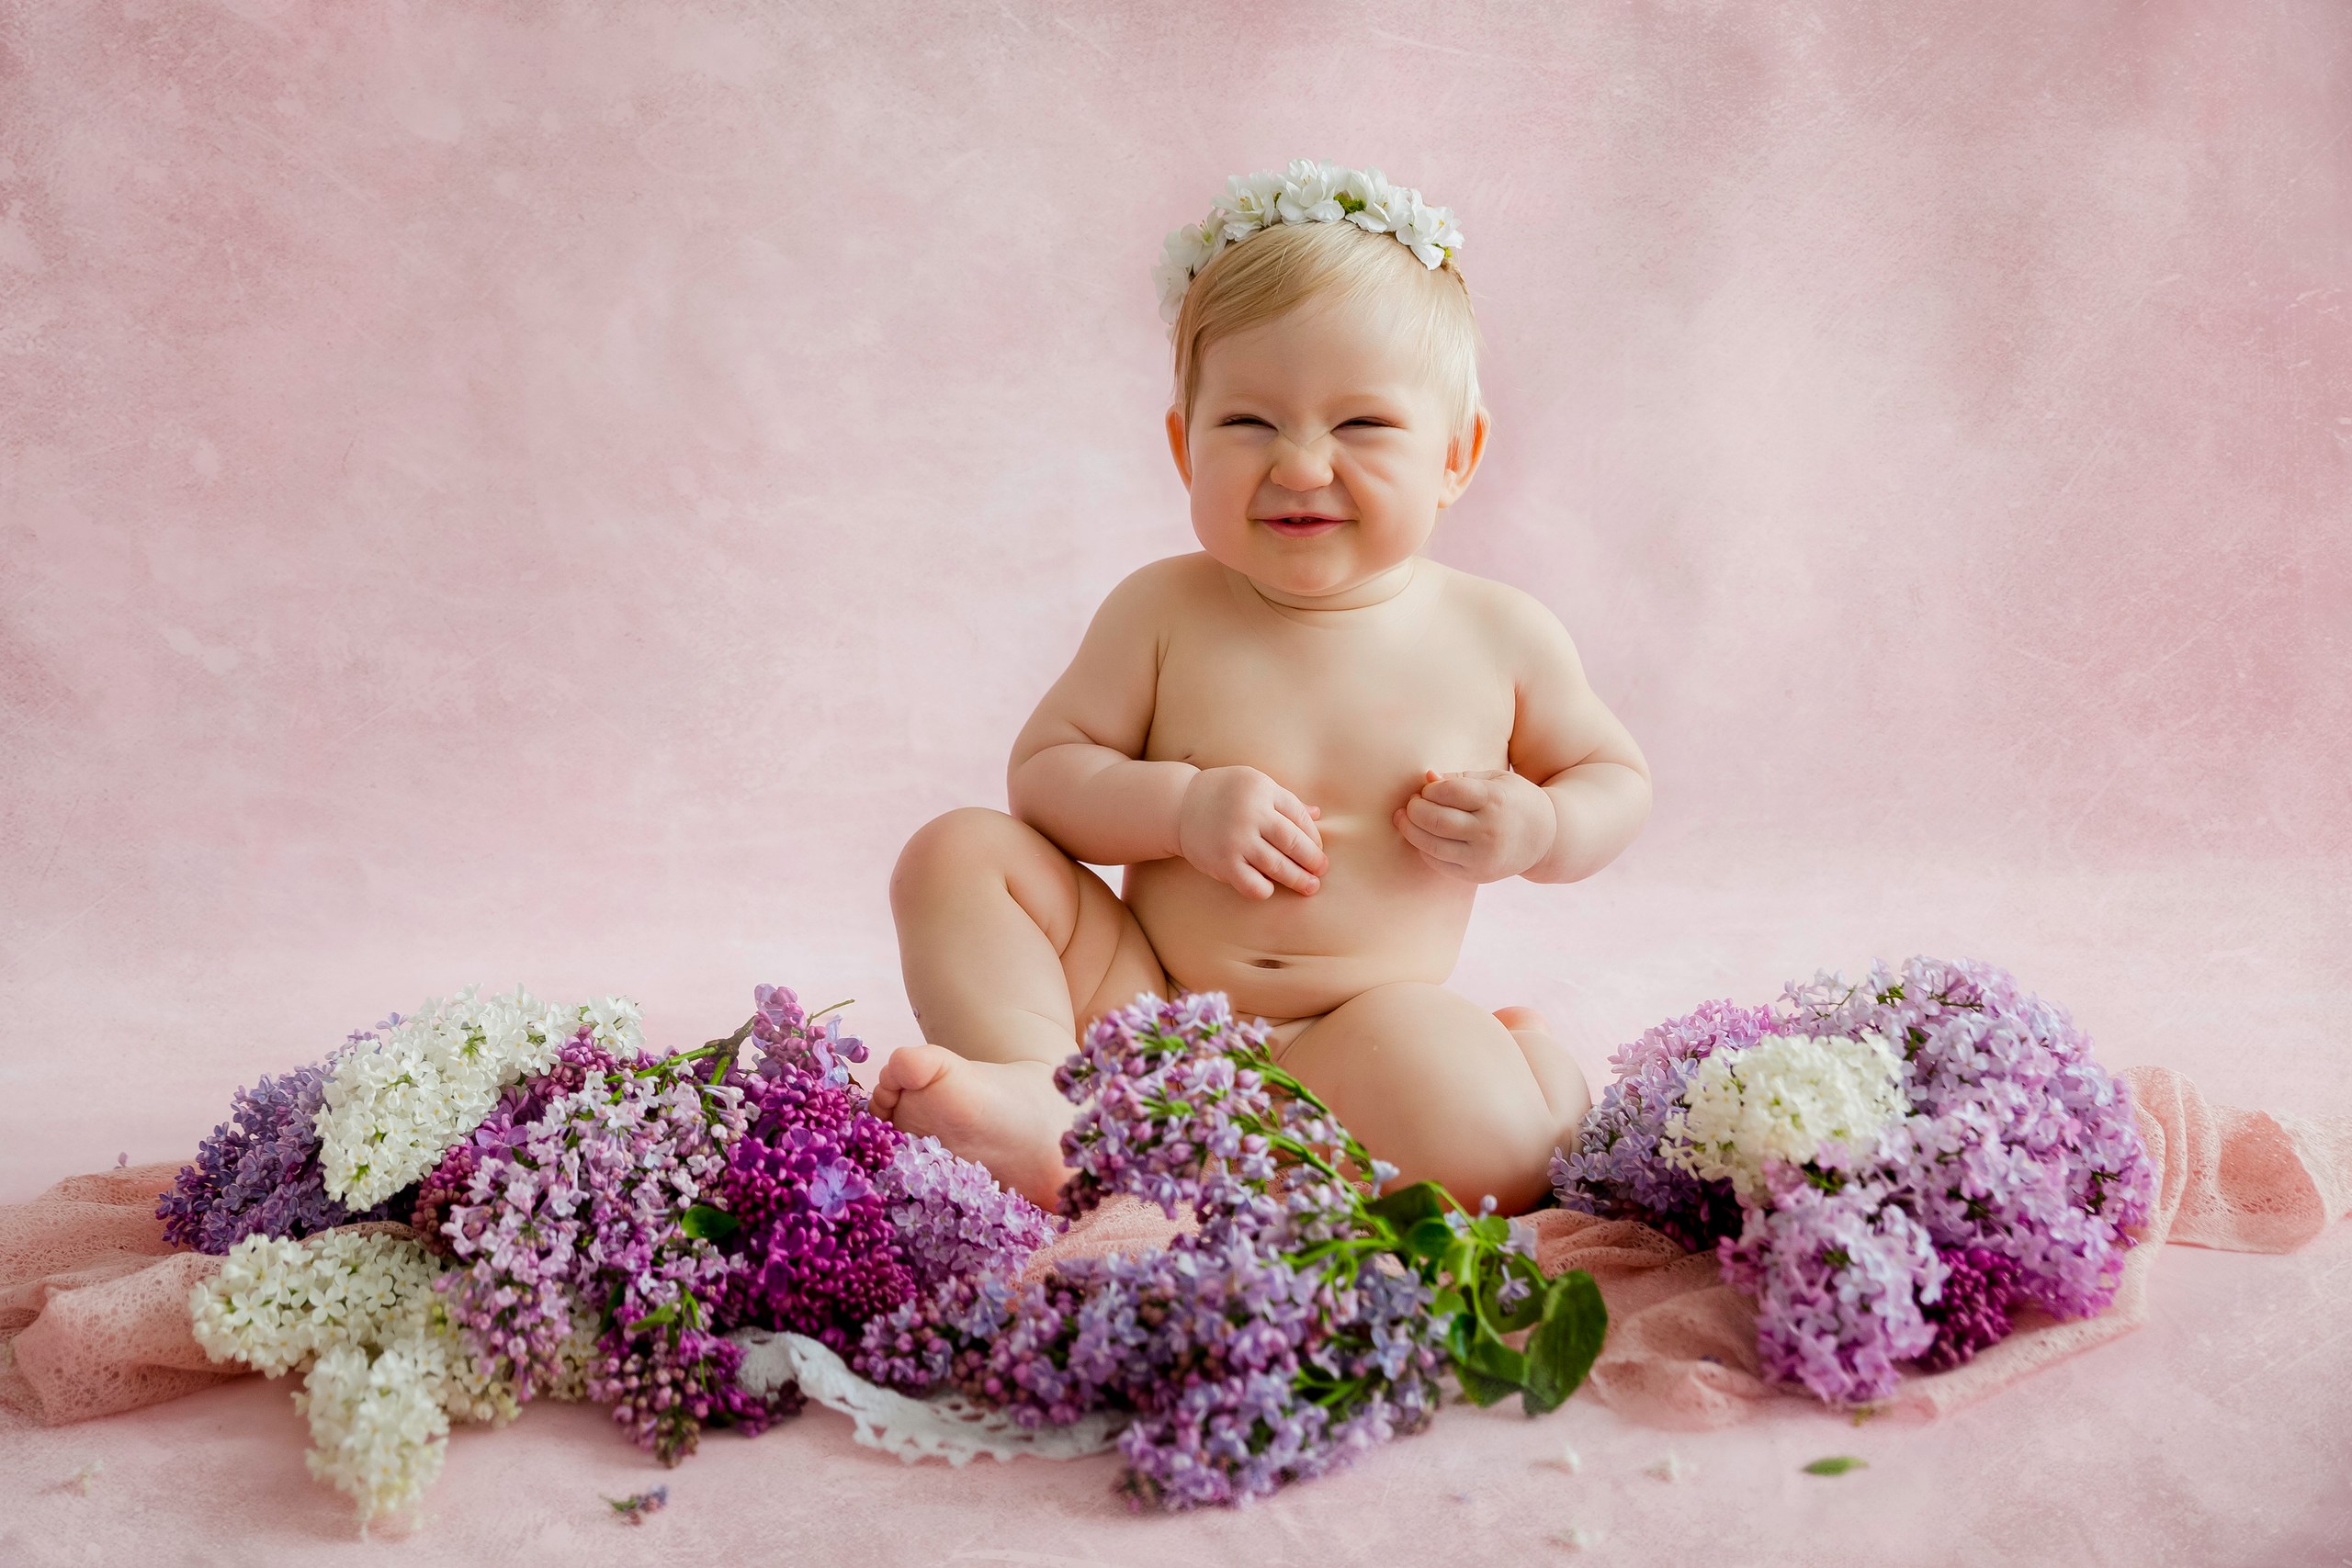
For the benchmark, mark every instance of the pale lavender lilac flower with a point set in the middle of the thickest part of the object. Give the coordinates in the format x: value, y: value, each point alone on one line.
x: 1837, y: 1277
x: 952, y: 1218
x: 1616, y: 1170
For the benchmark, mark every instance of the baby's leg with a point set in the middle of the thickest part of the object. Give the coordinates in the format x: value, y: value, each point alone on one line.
x: 1444, y: 1091
x: 1009, y: 947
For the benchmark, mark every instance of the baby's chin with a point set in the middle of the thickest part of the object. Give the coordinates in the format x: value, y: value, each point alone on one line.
x: 1304, y: 576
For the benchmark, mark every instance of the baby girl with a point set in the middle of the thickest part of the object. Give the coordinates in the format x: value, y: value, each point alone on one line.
x: 1308, y: 743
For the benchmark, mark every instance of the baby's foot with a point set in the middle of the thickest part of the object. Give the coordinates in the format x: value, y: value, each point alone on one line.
x: 1005, y: 1115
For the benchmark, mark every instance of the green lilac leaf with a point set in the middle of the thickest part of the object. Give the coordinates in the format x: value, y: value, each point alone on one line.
x: 707, y: 1223
x: 1564, y: 1344
x: 1408, y: 1206
x: 1481, y: 1390
x: 1429, y: 1238
x: 1835, y: 1464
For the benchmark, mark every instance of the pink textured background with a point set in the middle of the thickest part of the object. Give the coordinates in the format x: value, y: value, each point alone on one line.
x: 558, y: 494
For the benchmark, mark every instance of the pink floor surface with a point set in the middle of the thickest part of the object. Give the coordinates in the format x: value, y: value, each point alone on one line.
x: 2217, y: 1435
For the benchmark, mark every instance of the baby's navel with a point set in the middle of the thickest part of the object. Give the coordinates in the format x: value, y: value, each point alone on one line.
x: 1266, y: 962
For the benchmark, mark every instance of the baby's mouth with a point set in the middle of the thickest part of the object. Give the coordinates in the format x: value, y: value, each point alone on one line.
x: 1302, y: 525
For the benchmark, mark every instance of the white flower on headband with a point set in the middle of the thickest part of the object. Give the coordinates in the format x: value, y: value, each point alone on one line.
x: 1307, y: 192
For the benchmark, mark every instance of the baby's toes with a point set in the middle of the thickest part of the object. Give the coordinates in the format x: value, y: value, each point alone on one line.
x: 908, y: 1070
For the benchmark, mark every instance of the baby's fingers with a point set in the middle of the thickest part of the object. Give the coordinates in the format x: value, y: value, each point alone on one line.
x: 1460, y: 790
x: 1442, y: 821
x: 1305, y: 848
x: 1279, y: 867
x: 1245, y: 880
x: 1298, y: 812
x: 1451, y: 851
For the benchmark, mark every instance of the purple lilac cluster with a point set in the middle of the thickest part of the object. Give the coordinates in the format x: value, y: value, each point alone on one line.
x: 576, y: 1203
x: 790, y: 1042
x: 2019, y: 1144
x: 952, y: 1222
x: 258, y: 1174
x: 1616, y: 1170
x: 1973, y: 1310
x: 814, y: 1250
x: 677, y: 1198
x: 1245, y: 1359
x: 2013, y: 1177
x: 842, y: 1219
x: 609, y: 1220
x: 1838, y: 1274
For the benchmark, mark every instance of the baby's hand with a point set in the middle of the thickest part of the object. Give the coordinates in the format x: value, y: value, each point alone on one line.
x: 1479, y: 827
x: 1249, y: 832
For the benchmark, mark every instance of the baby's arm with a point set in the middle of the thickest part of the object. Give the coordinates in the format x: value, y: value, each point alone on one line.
x: 1578, y: 789
x: 1075, y: 777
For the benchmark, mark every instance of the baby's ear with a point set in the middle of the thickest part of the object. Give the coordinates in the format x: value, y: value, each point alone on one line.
x: 1176, y: 447
x: 1462, y: 460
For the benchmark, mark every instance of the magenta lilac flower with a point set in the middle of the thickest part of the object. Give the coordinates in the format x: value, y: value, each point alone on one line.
x: 1973, y: 1309
x: 813, y: 1250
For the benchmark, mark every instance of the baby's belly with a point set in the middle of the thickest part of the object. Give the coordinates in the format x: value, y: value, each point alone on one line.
x: 1379, y: 917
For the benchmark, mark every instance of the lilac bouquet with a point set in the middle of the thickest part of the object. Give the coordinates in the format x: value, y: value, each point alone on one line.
x: 1888, y: 1168
x: 1305, y: 1321
x: 585, y: 1219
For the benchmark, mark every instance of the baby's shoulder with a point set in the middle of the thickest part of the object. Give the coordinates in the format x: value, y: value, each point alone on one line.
x: 1167, y: 587
x: 1511, y: 619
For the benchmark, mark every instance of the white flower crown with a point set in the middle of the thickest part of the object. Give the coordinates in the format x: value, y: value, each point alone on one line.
x: 1307, y: 192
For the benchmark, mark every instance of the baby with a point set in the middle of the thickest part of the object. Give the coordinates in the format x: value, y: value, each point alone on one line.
x: 1306, y: 743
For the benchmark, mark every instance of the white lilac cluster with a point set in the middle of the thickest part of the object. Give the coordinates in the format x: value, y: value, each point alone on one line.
x: 405, y: 1091
x: 1307, y: 192
x: 377, y: 1434
x: 1784, y: 1099
x: 385, y: 1370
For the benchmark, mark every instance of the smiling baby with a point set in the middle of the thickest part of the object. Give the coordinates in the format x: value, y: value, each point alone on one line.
x: 1307, y: 742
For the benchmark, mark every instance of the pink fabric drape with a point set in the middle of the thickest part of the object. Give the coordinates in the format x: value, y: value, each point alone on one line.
x: 93, y: 1306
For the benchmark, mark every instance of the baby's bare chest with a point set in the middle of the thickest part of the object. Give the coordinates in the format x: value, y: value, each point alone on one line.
x: 1348, y: 724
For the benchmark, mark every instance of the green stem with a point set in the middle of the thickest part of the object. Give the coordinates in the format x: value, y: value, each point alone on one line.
x: 727, y: 1048
x: 730, y: 1045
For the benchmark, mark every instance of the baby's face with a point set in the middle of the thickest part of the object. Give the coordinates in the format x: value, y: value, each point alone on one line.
x: 1319, y: 453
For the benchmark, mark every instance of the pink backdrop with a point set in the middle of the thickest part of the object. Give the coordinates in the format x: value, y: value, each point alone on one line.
x: 493, y: 495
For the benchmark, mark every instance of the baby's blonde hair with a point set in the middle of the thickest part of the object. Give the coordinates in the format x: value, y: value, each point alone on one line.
x: 1279, y: 269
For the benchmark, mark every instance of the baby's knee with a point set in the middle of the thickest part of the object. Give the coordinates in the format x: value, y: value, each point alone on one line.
x: 952, y: 843
x: 975, y: 853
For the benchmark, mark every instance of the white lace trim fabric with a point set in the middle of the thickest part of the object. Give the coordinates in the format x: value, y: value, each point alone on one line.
x: 947, y: 1427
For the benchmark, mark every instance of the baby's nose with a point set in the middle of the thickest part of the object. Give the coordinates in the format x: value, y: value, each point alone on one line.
x: 1301, y: 467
